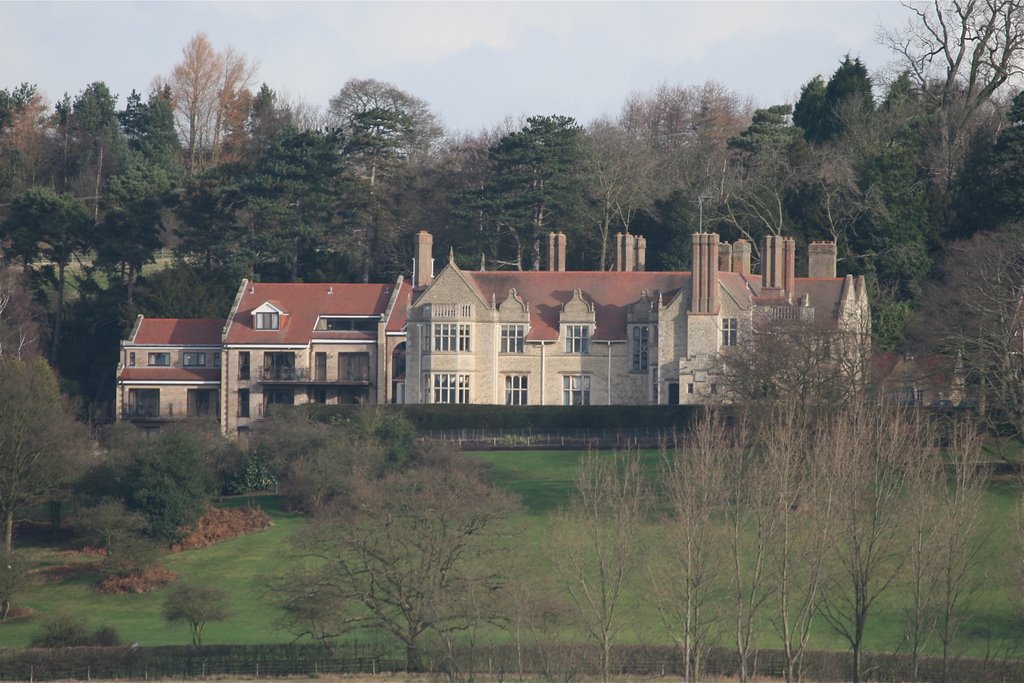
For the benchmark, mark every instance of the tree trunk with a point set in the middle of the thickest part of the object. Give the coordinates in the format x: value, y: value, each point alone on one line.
x: 8, y: 530
x: 413, y: 658
x: 59, y: 317
x: 96, y: 193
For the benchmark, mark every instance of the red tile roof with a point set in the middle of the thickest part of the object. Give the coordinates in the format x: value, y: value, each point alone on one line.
x: 396, y: 323
x: 546, y: 291
x: 302, y: 304
x: 178, y: 331
x: 169, y: 375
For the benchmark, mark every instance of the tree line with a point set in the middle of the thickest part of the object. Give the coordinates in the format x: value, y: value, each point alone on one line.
x: 234, y: 181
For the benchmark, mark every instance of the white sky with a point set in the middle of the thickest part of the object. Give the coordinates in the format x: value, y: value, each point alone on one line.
x: 475, y: 63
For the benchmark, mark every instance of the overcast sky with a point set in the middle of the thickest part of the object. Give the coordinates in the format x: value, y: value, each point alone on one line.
x: 475, y: 63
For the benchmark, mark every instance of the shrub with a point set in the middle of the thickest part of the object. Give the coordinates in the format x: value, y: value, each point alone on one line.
x: 254, y: 475
x: 62, y: 629
x: 13, y: 577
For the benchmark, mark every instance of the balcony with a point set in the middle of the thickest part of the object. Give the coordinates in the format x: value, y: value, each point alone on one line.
x: 166, y: 411
x: 319, y: 376
x: 285, y: 375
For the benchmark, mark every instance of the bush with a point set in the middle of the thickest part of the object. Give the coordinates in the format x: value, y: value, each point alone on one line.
x: 537, y: 418
x: 253, y: 475
x: 62, y: 630
x: 13, y: 577
x: 106, y: 636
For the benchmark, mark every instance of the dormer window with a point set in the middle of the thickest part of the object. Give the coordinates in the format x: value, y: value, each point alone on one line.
x: 267, y: 317
x: 577, y: 339
x: 268, y: 321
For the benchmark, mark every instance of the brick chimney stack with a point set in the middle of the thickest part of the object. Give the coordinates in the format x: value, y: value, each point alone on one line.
x: 556, y: 251
x: 741, y: 257
x: 640, y: 260
x: 778, y: 263
x: 821, y: 259
x: 725, y: 257
x: 704, y: 297
x: 423, y: 264
x: 625, y: 252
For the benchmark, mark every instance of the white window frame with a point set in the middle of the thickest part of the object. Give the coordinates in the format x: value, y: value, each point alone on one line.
x: 268, y: 320
x: 513, y: 336
x: 641, y: 347
x: 449, y: 388
x: 516, y: 390
x: 577, y: 339
x: 193, y: 359
x: 730, y: 331
x: 576, y: 390
x: 156, y: 356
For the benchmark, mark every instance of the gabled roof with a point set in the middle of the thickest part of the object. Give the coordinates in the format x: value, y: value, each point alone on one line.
x: 177, y: 332
x: 546, y: 292
x: 301, y: 304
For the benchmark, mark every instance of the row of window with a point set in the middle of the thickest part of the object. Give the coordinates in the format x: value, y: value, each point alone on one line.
x: 456, y: 337
x: 189, y: 359
x: 455, y: 388
x: 280, y: 365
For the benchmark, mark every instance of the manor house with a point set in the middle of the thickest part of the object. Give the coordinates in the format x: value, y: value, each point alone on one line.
x: 554, y: 337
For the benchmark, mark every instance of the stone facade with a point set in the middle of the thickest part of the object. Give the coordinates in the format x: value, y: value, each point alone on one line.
x: 551, y: 337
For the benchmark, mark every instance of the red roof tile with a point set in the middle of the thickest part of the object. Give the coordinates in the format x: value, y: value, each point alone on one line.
x: 396, y: 323
x: 178, y: 331
x: 302, y: 304
x: 546, y: 292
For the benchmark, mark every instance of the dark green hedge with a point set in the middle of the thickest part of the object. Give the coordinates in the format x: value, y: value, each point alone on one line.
x: 557, y: 661
x: 536, y: 418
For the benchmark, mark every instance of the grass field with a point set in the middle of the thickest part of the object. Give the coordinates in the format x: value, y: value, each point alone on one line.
x: 544, y: 481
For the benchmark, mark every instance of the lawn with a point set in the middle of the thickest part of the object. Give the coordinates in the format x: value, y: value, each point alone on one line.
x: 544, y: 482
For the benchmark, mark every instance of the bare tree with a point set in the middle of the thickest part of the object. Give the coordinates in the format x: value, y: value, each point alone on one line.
x: 685, y: 130
x: 689, y: 568
x: 210, y: 92
x: 197, y: 606
x: 873, y: 446
x: 19, y: 331
x: 961, y: 538
x: 801, y: 495
x: 806, y: 360
x: 923, y: 488
x: 42, y: 447
x: 404, y: 555
x: 599, y: 546
x: 975, y: 317
x: 752, y: 528
x: 622, y: 181
x: 960, y: 53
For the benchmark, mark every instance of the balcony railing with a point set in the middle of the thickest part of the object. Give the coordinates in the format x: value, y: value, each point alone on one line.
x: 304, y: 375
x: 285, y: 374
x: 166, y: 411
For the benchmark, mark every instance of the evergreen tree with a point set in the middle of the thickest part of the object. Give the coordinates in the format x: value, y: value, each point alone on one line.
x: 292, y: 197
x: 46, y: 231
x: 149, y: 129
x: 537, y: 185
x: 849, y: 90
x: 131, y: 226
x: 811, y: 111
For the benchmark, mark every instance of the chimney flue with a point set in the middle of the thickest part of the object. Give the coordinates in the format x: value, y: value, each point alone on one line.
x: 423, y: 266
x: 704, y: 278
x: 821, y: 259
